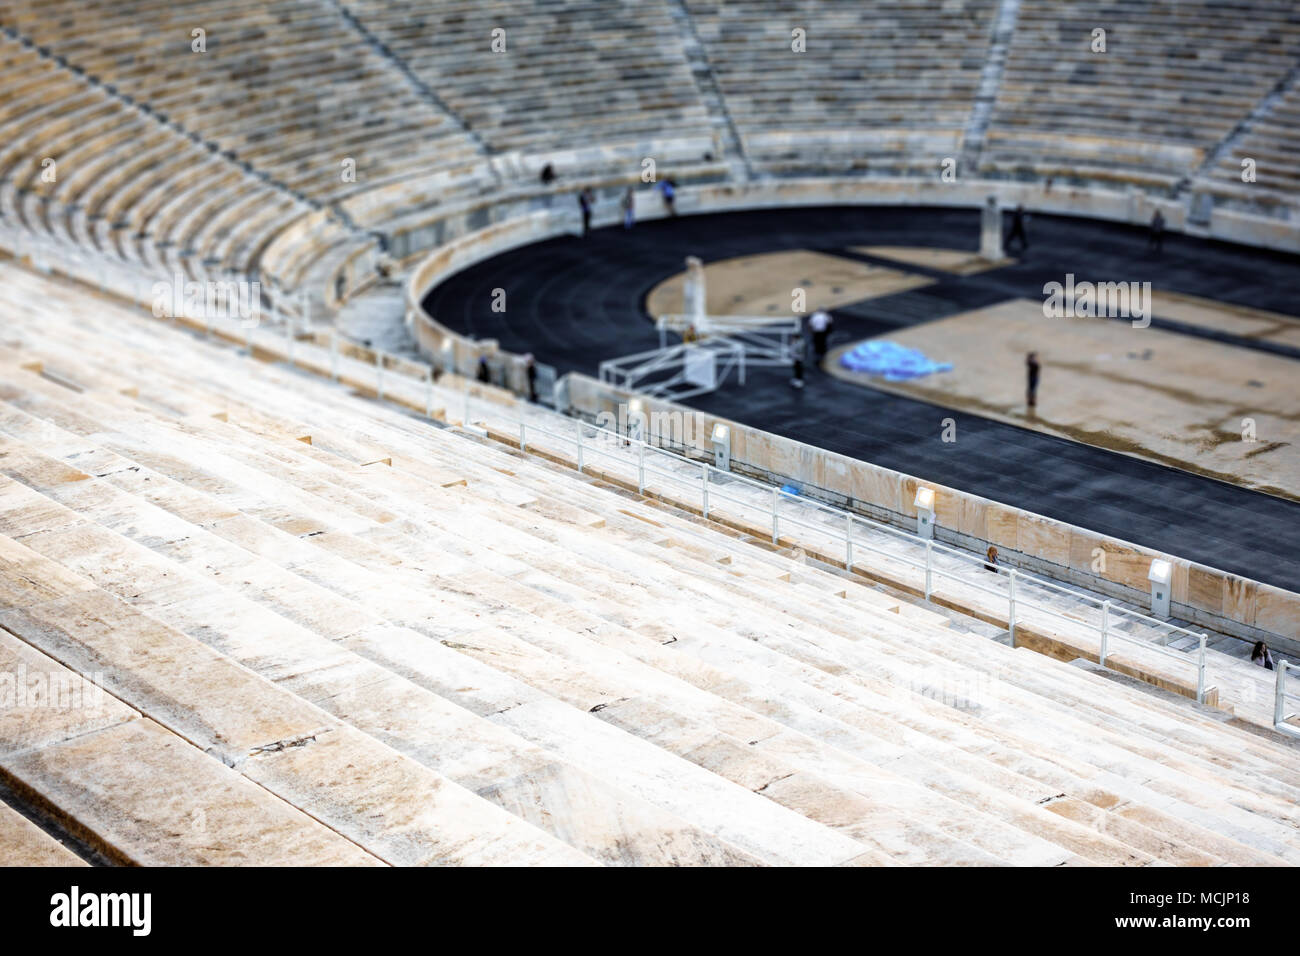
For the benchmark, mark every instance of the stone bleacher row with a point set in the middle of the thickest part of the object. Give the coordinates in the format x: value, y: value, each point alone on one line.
x: 290, y: 88
x: 1273, y: 142
x: 129, y: 186
x: 570, y: 72
x: 881, y: 86
x: 1174, y: 80
x: 332, y: 633
x: 232, y: 157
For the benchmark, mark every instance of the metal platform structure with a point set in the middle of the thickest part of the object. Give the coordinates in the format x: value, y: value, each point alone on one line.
x: 766, y: 340
x: 677, y: 371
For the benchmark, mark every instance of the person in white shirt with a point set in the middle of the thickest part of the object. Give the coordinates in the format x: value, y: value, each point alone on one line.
x: 819, y: 323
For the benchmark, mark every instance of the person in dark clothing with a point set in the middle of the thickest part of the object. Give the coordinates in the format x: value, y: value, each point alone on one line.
x: 991, y: 559
x: 585, y: 200
x: 1156, y: 240
x: 548, y: 174
x: 669, y: 189
x: 628, y: 203
x: 1018, y: 219
x: 530, y: 370
x: 1031, y: 371
x: 1260, y: 655
x: 483, y: 374
x: 796, y: 372
x: 819, y: 323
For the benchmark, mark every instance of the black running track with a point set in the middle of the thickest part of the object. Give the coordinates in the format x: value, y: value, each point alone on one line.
x: 573, y: 302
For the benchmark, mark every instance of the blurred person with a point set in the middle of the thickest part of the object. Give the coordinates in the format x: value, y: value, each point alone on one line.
x: 1032, y: 370
x: 819, y: 323
x: 530, y: 372
x: 1018, y: 220
x: 585, y: 201
x: 669, y: 189
x: 628, y: 203
x: 1156, y: 239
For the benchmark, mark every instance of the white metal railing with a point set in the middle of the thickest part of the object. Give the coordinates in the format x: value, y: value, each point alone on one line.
x: 136, y: 279
x: 1285, y: 702
x: 1111, y: 625
x: 845, y: 530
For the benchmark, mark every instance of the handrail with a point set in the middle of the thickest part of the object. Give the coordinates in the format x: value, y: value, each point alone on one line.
x: 1017, y: 605
x: 832, y: 529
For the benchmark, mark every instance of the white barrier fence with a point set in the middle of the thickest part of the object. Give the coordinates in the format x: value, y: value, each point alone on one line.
x: 139, y: 280
x: 699, y: 482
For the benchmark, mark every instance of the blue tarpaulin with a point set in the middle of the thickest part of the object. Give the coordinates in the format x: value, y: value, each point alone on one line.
x: 894, y: 362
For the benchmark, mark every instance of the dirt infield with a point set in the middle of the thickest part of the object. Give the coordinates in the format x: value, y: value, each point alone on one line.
x: 764, y: 284
x: 1206, y: 407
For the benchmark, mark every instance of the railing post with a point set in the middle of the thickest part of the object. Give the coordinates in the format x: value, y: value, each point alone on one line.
x: 579, y: 430
x: 848, y: 542
x: 776, y: 501
x: 1011, y: 608
x: 1279, y: 694
x: 379, y: 374
x: 1105, y: 631
x: 704, y: 490
x: 1200, y: 674
x: 248, y: 339
x: 428, y: 391
x: 288, y: 338
x: 929, y: 568
x: 523, y: 438
x: 464, y: 416
x: 640, y: 467
x: 334, y: 355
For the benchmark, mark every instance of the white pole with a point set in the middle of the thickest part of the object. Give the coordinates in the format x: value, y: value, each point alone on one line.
x: 428, y: 391
x: 379, y: 374
x: 1200, y: 674
x: 579, y: 447
x: 929, y: 568
x: 704, y: 489
x: 776, y: 500
x: 1279, y: 694
x: 334, y: 354
x: 848, y: 542
x: 1105, y: 631
x: 640, y: 466
x: 1011, y: 608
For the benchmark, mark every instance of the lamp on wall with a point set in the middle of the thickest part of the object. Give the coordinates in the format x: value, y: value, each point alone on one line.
x: 924, y: 502
x: 722, y: 447
x: 1160, y: 575
x: 636, y: 420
